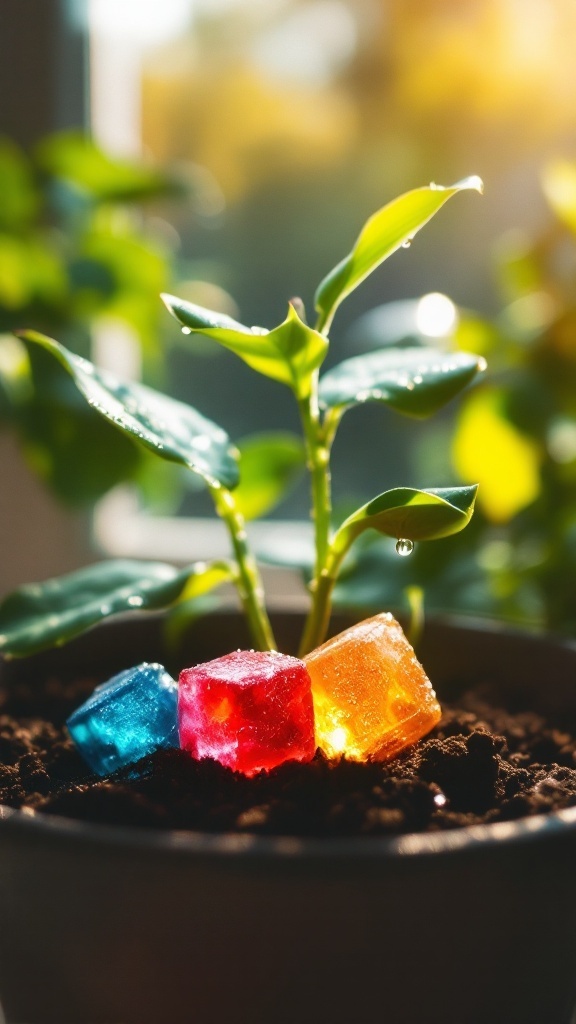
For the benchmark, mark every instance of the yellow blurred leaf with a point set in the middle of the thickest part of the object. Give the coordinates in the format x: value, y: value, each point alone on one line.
x: 559, y: 184
x: 489, y: 449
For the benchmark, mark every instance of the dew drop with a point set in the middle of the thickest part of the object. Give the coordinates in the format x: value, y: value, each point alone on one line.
x: 186, y: 330
x: 407, y: 243
x: 135, y: 601
x: 404, y: 547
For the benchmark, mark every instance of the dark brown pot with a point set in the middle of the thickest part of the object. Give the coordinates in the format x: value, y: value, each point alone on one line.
x: 102, y: 925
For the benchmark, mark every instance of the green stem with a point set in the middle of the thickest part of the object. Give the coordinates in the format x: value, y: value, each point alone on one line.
x: 319, y: 616
x: 248, y: 580
x: 318, y: 438
x: 318, y: 462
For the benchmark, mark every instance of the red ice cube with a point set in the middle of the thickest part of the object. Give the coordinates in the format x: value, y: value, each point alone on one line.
x: 250, y: 710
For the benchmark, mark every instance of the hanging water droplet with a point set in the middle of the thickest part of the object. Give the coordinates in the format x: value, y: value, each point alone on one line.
x: 407, y: 243
x: 186, y: 330
x: 404, y: 547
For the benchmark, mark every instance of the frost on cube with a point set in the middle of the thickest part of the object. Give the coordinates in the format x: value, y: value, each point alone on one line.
x: 371, y: 695
x: 250, y: 710
x: 128, y: 717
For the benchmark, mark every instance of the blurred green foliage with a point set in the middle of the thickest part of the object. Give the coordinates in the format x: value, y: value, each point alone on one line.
x: 78, y: 246
x: 515, y: 433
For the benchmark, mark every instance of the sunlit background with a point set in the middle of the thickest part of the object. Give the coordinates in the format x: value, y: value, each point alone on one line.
x: 286, y: 123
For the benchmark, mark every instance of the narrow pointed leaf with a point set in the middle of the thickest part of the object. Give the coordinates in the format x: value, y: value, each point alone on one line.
x: 412, y: 514
x: 171, y: 429
x: 414, y: 381
x: 385, y: 232
x: 289, y: 354
x: 40, y: 615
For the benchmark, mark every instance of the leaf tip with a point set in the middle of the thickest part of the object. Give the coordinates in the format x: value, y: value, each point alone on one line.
x: 169, y: 301
x: 474, y: 181
x: 25, y: 334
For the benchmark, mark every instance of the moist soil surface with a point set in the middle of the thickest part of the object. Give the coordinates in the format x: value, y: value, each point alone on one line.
x: 482, y: 763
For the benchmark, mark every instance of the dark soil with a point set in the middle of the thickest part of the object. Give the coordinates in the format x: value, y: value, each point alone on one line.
x: 481, y: 764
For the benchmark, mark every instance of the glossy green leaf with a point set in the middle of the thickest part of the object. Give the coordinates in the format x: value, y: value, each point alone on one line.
x: 40, y: 615
x: 270, y: 465
x: 171, y: 429
x: 415, y: 381
x: 76, y: 452
x: 289, y: 354
x: 386, y: 231
x: 411, y: 514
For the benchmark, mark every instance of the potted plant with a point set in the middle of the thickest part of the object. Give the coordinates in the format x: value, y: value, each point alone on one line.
x: 105, y: 924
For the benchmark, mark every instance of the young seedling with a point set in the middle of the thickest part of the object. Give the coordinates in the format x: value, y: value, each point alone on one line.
x: 413, y: 381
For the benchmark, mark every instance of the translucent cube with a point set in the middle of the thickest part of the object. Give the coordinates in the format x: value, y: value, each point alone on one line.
x: 250, y: 710
x: 131, y: 715
x: 371, y: 695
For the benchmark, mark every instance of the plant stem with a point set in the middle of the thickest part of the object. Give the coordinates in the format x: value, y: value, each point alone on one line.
x: 319, y: 616
x: 248, y: 580
x: 318, y: 461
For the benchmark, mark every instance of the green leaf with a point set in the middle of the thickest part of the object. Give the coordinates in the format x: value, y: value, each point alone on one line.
x: 289, y: 354
x: 15, y: 383
x: 77, y: 453
x: 20, y: 197
x: 448, y: 571
x: 270, y: 464
x: 385, y: 232
x: 77, y: 160
x: 414, y: 381
x: 40, y: 615
x: 411, y: 514
x: 171, y: 429
x: 32, y: 272
x: 559, y: 185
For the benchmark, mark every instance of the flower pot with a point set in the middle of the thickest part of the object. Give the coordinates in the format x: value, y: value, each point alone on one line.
x: 104, y: 925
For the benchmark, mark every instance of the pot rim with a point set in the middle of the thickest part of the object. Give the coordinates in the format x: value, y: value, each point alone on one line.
x: 201, y: 845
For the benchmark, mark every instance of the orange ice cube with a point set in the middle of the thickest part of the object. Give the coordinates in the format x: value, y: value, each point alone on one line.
x: 371, y: 695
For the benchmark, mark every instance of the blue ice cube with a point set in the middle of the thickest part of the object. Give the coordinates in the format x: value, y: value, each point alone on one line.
x: 131, y: 715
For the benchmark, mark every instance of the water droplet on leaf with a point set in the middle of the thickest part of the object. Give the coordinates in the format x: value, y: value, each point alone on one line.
x: 407, y: 243
x: 404, y: 547
x: 186, y: 330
